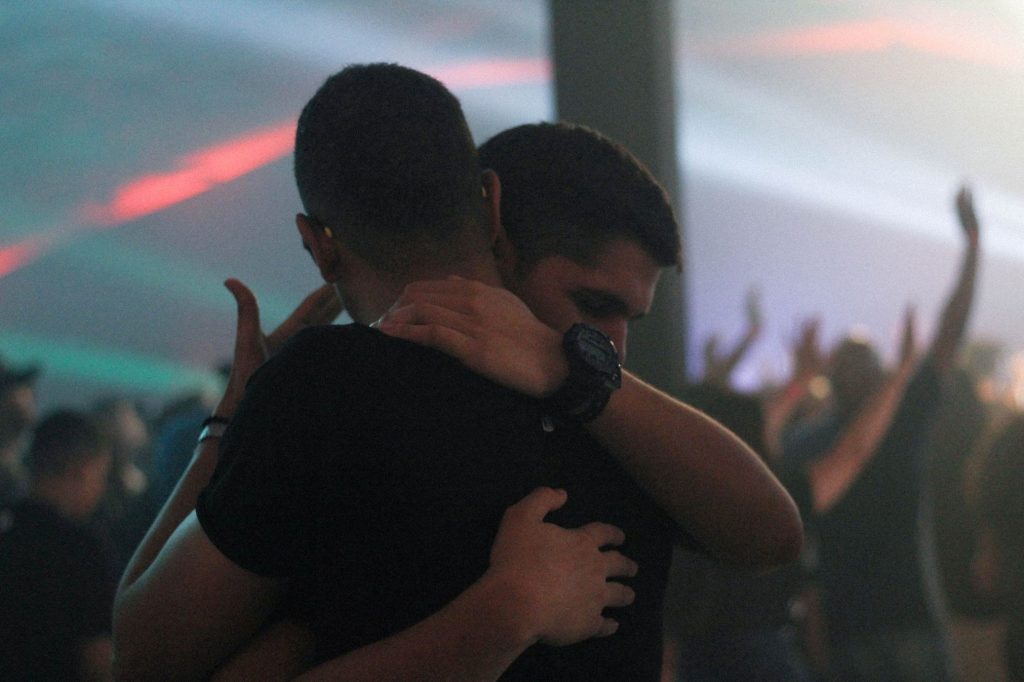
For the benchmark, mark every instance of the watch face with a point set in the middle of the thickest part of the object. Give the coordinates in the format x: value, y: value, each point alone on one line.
x: 597, y: 350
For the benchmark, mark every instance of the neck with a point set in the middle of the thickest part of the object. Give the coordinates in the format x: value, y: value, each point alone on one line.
x: 371, y: 294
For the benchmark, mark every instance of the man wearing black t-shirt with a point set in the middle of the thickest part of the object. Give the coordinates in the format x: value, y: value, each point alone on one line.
x: 56, y: 577
x: 373, y: 473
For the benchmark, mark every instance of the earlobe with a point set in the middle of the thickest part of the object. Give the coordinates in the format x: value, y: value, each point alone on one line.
x: 490, y: 191
x: 505, y: 255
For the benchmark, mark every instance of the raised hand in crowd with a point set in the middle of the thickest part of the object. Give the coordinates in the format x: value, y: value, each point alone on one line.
x: 808, y: 361
x: 718, y: 367
x: 831, y: 475
x: 953, y: 322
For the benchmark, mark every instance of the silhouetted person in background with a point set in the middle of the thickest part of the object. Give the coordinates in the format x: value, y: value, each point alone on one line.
x: 999, y: 564
x: 125, y: 511
x: 866, y: 507
x: 56, y: 577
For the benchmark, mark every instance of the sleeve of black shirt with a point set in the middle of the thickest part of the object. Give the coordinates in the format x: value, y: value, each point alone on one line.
x: 259, y: 508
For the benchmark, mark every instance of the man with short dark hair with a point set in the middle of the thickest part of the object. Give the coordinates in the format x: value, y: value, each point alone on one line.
x: 57, y: 577
x: 374, y: 473
x: 568, y: 190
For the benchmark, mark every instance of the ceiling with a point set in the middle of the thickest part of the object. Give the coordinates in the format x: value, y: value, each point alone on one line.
x: 147, y: 158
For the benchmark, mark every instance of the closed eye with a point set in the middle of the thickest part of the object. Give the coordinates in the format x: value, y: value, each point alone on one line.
x: 599, y: 305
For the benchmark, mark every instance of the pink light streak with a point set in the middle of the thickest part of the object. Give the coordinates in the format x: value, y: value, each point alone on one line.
x: 20, y: 254
x: 873, y: 36
x: 493, y: 73
x: 200, y: 172
x: 205, y: 169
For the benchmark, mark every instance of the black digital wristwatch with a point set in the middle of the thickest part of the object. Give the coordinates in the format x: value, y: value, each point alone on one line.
x: 594, y: 372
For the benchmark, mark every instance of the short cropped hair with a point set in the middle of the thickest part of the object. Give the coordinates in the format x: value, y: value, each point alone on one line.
x: 383, y: 155
x: 568, y: 190
x: 62, y: 440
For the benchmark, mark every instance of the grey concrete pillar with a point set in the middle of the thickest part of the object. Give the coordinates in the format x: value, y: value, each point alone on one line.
x: 614, y: 69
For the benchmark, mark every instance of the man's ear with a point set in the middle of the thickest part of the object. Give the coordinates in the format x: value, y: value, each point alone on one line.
x: 504, y: 251
x: 323, y: 246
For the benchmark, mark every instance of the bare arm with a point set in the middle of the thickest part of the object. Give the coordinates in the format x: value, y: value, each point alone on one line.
x: 95, y: 656
x: 958, y: 306
x: 832, y: 475
x: 707, y: 479
x: 147, y: 592
x: 703, y: 476
x: 188, y: 611
x: 807, y: 364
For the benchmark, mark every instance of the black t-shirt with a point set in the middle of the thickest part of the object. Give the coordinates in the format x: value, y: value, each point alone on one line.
x: 869, y: 542
x: 56, y: 593
x: 373, y: 473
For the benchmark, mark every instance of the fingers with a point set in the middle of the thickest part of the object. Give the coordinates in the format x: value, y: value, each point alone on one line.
x: 603, y: 534
x: 619, y: 595
x: 965, y: 209
x: 450, y: 285
x: 435, y: 336
x: 321, y: 306
x: 248, y: 309
x: 608, y: 627
x: 538, y: 504
x: 618, y: 565
x: 907, y: 345
x: 422, y: 313
x: 754, y: 307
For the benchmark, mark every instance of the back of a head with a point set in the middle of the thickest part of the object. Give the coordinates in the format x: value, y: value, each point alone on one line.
x: 61, y: 441
x: 383, y: 156
x: 568, y: 190
x: 855, y: 373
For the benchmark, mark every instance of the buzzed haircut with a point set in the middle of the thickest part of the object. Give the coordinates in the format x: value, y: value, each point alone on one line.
x: 62, y: 440
x: 384, y: 157
x: 568, y: 190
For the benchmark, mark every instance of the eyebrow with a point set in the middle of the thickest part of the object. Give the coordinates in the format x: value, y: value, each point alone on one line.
x: 614, y: 305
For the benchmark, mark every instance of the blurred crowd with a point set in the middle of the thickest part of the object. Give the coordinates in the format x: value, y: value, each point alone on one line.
x: 910, y: 480
x: 78, y: 490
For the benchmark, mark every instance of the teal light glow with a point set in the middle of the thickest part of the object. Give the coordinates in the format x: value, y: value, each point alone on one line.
x: 79, y: 361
